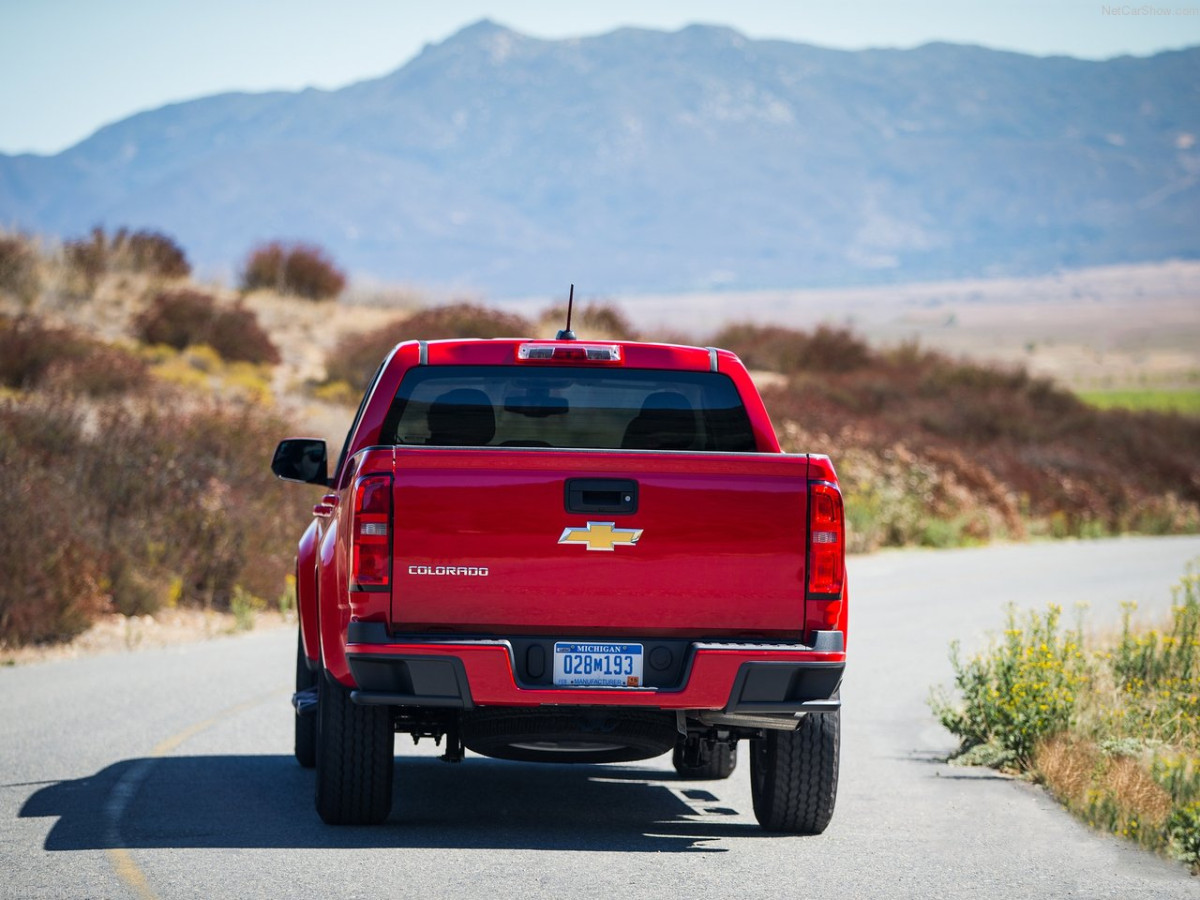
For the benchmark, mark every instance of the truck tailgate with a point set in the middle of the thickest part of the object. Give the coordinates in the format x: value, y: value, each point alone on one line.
x: 478, y: 544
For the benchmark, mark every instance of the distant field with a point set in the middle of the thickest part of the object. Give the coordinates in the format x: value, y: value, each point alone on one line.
x: 1116, y: 328
x: 1183, y: 401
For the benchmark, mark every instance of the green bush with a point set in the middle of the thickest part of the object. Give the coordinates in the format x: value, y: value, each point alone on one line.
x: 1158, y: 674
x: 304, y: 270
x: 1020, y: 690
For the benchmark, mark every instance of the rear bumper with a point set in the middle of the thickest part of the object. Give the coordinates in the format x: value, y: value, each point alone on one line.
x: 404, y: 670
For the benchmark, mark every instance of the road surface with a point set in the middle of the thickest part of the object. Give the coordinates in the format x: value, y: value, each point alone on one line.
x: 168, y: 773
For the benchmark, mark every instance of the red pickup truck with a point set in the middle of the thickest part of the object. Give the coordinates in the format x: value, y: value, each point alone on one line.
x: 570, y: 551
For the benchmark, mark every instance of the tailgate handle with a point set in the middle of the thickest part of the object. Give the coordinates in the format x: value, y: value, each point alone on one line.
x: 601, y: 495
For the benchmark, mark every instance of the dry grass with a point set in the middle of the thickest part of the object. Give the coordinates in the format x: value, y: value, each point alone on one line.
x: 1114, y: 792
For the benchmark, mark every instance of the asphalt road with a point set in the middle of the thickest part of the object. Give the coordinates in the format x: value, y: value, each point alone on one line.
x: 168, y: 773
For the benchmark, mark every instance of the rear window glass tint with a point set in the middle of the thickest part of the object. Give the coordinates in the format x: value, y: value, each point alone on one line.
x: 603, y: 409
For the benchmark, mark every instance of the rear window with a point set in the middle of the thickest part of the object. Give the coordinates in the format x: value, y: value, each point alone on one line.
x: 601, y: 409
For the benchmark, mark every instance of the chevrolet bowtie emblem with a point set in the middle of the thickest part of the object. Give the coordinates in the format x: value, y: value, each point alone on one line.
x: 600, y: 536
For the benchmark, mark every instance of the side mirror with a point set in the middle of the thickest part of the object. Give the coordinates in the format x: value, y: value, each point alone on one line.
x: 302, y: 459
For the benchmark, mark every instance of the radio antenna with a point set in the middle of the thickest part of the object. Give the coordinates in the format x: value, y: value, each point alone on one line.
x: 566, y: 334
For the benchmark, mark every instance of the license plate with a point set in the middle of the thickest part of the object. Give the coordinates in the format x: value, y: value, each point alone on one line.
x: 597, y: 665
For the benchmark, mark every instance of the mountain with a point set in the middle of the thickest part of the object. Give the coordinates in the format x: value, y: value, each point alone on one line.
x: 652, y: 161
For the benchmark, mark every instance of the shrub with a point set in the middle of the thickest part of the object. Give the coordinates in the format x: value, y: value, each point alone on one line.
x: 101, y: 370
x: 464, y: 320
x: 825, y: 349
x: 301, y: 269
x: 33, y: 354
x: 593, y: 321
x: 1019, y: 690
x: 19, y: 268
x: 154, y: 253
x: 177, y: 319
x: 264, y: 268
x: 898, y: 498
x: 356, y: 356
x: 87, y: 259
x: 1021, y: 447
x: 237, y: 336
x: 198, y: 497
x: 184, y: 318
x: 51, y: 588
x: 28, y: 349
x: 146, y: 502
x: 1114, y: 734
x: 1159, y: 674
x: 145, y: 252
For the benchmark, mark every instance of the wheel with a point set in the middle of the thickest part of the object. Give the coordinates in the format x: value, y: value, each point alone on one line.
x: 700, y: 760
x: 305, y: 744
x: 794, y: 775
x: 355, y: 747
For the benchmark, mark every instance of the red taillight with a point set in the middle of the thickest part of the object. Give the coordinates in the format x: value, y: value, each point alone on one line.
x: 371, y: 565
x: 826, y: 539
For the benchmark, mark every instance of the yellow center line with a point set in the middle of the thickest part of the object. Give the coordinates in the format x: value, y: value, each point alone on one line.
x: 122, y: 793
x: 128, y: 871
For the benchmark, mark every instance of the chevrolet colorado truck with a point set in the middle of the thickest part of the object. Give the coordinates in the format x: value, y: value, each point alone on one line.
x: 569, y: 551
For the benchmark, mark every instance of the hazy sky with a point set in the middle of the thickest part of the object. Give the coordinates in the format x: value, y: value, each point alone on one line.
x: 69, y: 66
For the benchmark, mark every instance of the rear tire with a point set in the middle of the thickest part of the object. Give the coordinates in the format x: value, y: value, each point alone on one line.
x: 305, y: 743
x: 794, y: 775
x: 355, y: 757
x: 716, y: 760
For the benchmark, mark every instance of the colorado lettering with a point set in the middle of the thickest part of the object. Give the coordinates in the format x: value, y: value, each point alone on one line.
x: 467, y: 571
